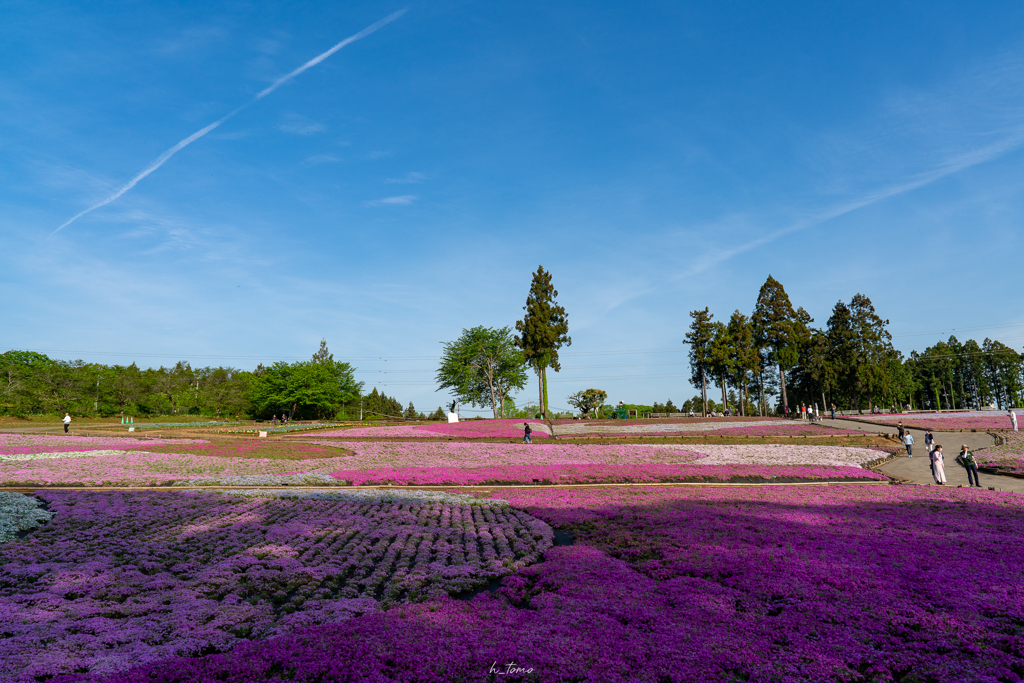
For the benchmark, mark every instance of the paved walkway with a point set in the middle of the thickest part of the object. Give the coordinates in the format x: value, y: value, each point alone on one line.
x: 917, y: 470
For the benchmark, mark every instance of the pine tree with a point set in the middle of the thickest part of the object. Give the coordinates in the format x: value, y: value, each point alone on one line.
x: 410, y: 412
x: 542, y: 331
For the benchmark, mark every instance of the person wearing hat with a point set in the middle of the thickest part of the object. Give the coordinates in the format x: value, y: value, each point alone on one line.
x: 971, y: 465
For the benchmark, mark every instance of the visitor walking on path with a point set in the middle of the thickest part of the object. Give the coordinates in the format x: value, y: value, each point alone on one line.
x: 1013, y: 420
x: 938, y: 469
x: 833, y: 411
x: 67, y: 422
x: 908, y: 441
x: 971, y: 465
x: 526, y: 433
x: 900, y: 429
x: 928, y: 439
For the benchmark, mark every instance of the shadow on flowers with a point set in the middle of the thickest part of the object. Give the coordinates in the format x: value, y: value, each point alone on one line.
x: 881, y: 584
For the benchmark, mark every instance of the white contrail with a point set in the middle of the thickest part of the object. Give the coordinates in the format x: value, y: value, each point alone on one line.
x: 162, y: 159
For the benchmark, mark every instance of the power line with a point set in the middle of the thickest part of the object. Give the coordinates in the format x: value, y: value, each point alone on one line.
x: 961, y: 329
x: 347, y: 358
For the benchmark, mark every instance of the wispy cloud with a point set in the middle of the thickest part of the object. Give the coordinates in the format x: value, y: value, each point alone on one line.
x: 410, y: 177
x: 379, y: 154
x: 917, y: 139
x: 163, y: 158
x: 392, y: 201
x: 321, y: 159
x: 300, y: 125
x: 190, y: 39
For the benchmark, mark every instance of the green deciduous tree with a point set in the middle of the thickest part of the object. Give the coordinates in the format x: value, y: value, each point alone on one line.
x: 588, y: 400
x: 319, y: 388
x: 482, y: 367
x: 542, y: 331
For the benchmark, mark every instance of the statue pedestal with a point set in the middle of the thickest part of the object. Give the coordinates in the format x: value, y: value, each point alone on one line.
x: 453, y: 417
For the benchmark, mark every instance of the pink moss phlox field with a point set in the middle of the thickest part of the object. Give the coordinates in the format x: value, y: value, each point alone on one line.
x: 380, y: 455
x: 783, y: 585
x: 473, y: 429
x: 1009, y: 456
x: 673, y: 420
x: 26, y: 444
x: 254, y: 448
x: 789, y: 428
x: 116, y: 579
x: 145, y: 468
x: 591, y: 474
x: 945, y: 421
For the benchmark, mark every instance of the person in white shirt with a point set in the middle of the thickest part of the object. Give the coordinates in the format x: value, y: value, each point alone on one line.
x: 67, y: 422
x: 908, y: 441
x: 1013, y: 420
x: 938, y: 468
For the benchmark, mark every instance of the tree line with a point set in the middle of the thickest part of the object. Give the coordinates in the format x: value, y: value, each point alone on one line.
x: 320, y: 388
x: 776, y: 352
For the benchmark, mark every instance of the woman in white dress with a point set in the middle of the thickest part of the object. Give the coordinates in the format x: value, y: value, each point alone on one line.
x: 937, y: 466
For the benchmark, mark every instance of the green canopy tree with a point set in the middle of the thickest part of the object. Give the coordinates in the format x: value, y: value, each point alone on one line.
x: 482, y: 367
x: 780, y: 329
x: 542, y: 331
x: 20, y: 385
x: 699, y: 338
x: 744, y: 359
x: 588, y: 400
x: 873, y: 347
x: 721, y: 358
x: 319, y: 387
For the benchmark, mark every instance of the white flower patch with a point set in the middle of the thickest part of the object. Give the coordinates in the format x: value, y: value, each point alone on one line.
x: 779, y: 454
x: 18, y: 513
x: 659, y: 427
x: 304, y: 479
x: 23, y: 457
x: 375, y: 496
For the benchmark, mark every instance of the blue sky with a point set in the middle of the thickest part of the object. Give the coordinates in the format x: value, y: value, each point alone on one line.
x: 656, y: 157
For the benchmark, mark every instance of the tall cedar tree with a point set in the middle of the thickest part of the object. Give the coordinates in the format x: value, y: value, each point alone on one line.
x: 874, y: 345
x: 721, y: 358
x: 780, y: 328
x: 744, y: 356
x: 542, y: 331
x: 699, y: 339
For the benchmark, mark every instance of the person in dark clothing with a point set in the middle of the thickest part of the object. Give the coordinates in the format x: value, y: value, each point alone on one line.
x: 971, y: 465
x: 900, y: 429
x: 526, y: 433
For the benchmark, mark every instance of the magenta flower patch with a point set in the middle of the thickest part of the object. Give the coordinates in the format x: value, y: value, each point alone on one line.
x: 118, y: 579
x: 665, y: 584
